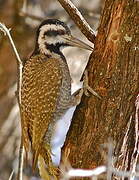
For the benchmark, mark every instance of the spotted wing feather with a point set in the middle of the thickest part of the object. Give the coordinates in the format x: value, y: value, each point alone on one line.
x: 39, y: 94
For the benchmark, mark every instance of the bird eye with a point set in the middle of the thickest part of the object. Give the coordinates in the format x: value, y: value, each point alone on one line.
x: 51, y: 33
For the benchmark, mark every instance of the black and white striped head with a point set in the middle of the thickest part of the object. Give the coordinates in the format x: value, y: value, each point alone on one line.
x: 53, y: 35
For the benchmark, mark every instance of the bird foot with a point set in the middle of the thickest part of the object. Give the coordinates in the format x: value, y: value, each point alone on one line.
x: 86, y: 89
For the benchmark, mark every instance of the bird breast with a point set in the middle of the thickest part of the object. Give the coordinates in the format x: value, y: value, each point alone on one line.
x: 45, y: 96
x: 64, y: 98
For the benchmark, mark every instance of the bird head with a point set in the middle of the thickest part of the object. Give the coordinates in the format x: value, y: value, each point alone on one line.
x: 53, y: 35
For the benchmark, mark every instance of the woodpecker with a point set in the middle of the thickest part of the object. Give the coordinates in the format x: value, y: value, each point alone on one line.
x: 46, y: 88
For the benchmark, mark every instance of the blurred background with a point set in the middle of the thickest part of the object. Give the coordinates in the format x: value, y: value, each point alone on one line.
x: 23, y: 17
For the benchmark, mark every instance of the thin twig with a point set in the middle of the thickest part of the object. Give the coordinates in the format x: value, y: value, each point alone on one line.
x: 83, y: 173
x: 6, y: 31
x: 86, y: 173
x: 110, y: 154
x: 19, y: 61
x: 78, y: 19
x: 124, y: 173
x: 11, y: 175
x: 19, y: 83
x: 20, y: 164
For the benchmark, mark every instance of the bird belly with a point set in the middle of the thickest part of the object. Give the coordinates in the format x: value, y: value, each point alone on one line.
x: 63, y: 102
x: 64, y: 99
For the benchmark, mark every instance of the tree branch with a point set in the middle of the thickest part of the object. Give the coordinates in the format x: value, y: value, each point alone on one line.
x: 6, y: 31
x: 78, y: 19
x: 11, y: 175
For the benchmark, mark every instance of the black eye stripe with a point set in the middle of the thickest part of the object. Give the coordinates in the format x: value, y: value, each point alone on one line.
x: 54, y: 33
x: 55, y: 47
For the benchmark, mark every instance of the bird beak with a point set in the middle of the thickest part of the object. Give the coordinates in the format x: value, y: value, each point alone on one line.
x: 72, y: 41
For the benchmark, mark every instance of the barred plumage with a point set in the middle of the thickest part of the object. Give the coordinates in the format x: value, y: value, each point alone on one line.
x: 46, y: 88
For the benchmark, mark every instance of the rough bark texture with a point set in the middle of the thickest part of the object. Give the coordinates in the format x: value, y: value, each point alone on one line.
x: 114, y: 74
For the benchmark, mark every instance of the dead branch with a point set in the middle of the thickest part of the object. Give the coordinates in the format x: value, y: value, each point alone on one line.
x: 78, y: 19
x: 11, y: 175
x: 6, y: 31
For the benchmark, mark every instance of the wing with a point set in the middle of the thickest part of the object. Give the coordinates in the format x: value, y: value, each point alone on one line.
x: 40, y: 90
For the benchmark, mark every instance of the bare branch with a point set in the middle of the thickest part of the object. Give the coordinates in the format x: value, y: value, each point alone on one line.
x: 21, y: 161
x: 82, y: 172
x: 96, y: 172
x: 6, y: 31
x: 19, y: 62
x: 86, y: 173
x: 78, y: 19
x: 11, y: 175
x: 110, y: 160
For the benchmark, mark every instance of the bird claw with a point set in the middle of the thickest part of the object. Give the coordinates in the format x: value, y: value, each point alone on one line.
x: 87, y: 88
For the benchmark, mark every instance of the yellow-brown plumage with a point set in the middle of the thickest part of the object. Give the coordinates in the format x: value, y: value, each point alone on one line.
x: 40, y: 90
x: 46, y: 89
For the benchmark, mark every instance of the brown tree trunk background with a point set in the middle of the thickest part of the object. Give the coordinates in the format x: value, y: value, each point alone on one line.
x: 113, y: 73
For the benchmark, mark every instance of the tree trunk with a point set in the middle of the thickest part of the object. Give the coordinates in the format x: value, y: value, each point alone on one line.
x: 114, y: 74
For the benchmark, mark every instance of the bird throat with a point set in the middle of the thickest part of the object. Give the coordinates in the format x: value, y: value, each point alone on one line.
x: 49, y: 50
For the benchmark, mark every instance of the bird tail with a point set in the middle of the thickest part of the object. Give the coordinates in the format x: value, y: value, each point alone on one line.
x: 25, y: 144
x: 35, y: 159
x: 42, y: 168
x: 42, y: 155
x: 46, y: 168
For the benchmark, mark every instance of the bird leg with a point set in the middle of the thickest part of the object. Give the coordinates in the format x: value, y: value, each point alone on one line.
x: 86, y: 86
x: 76, y: 97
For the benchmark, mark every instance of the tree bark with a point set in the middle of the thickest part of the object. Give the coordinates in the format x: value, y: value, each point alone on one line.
x: 114, y: 74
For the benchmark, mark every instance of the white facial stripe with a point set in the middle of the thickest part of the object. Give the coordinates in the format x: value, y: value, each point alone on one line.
x: 48, y: 39
x: 54, y: 27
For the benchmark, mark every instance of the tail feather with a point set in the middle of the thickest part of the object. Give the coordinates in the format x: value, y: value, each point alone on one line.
x: 35, y: 159
x: 46, y: 168
x: 26, y: 147
x: 42, y: 154
x: 42, y: 169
